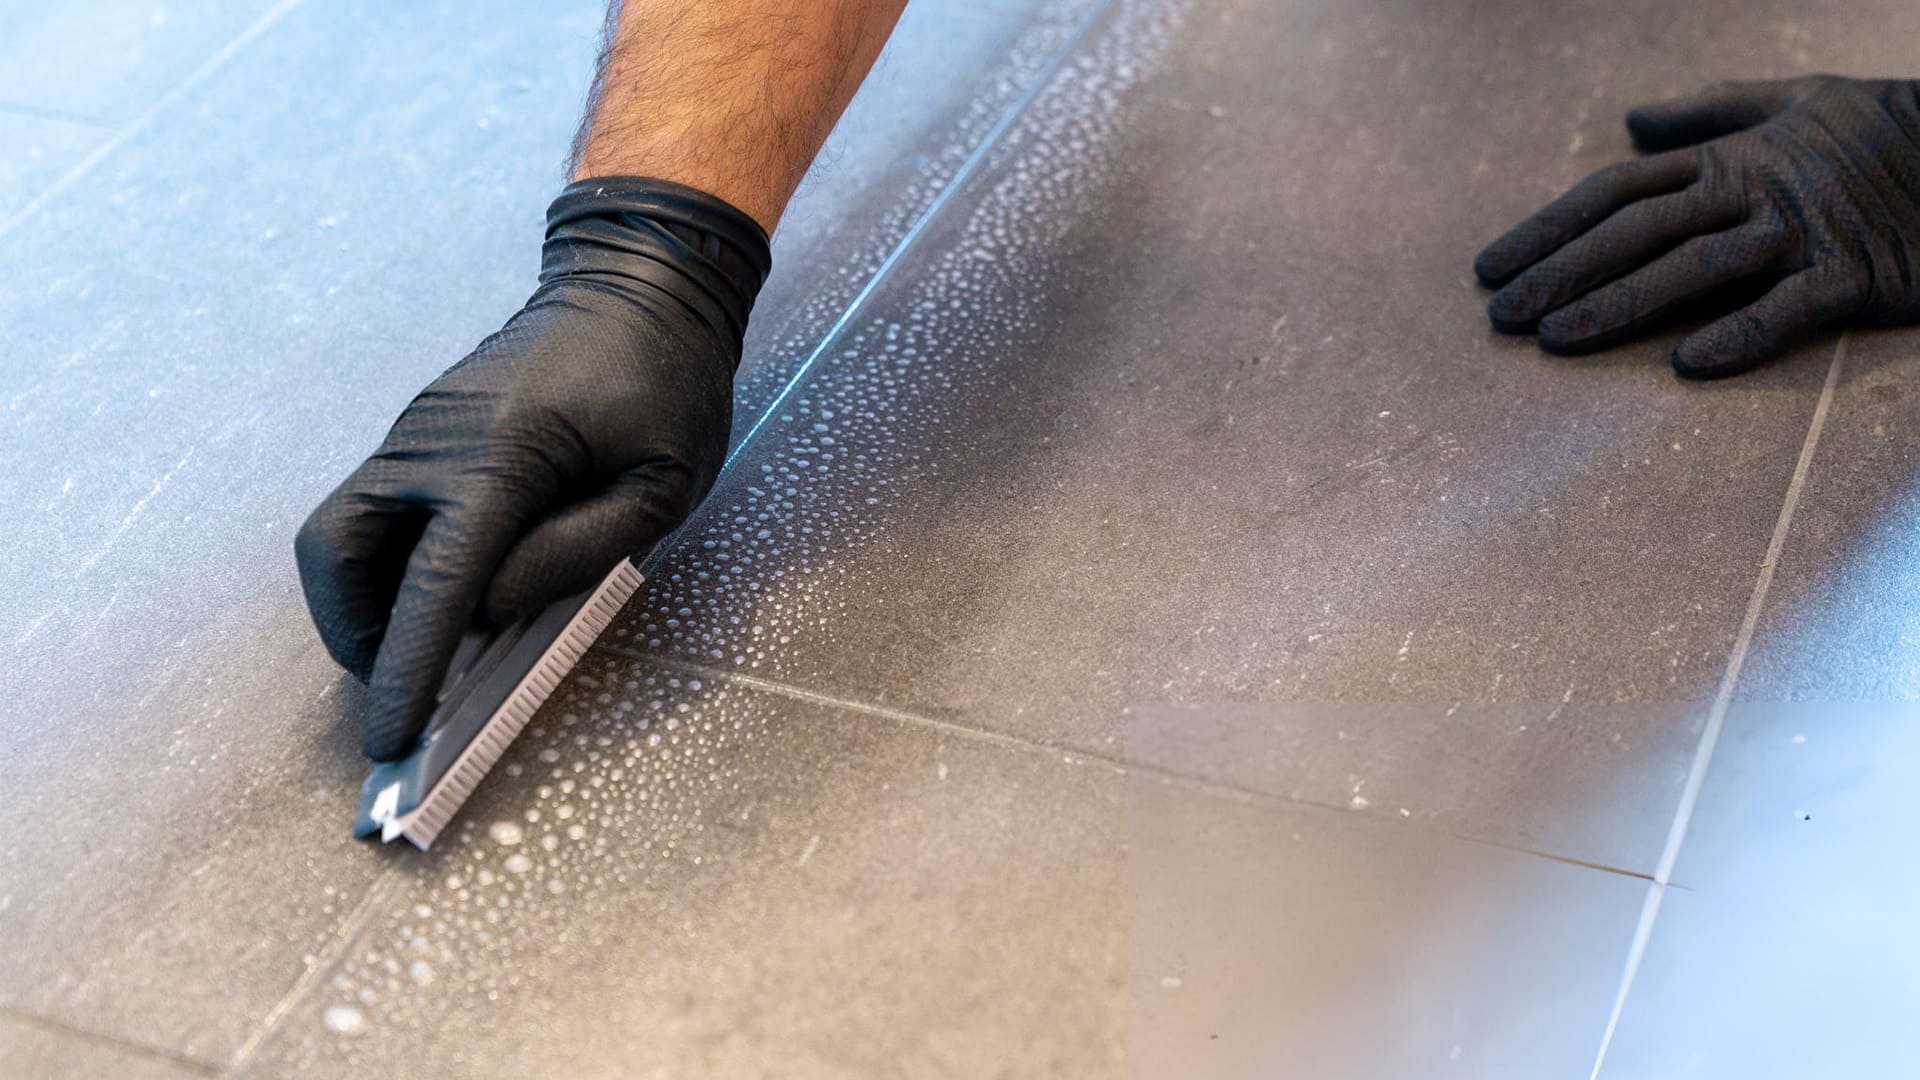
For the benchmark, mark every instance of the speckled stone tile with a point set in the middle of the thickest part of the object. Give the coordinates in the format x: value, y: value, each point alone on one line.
x: 679, y: 877
x: 31, y: 1050
x: 1190, y: 399
x: 204, y: 335
x: 1789, y: 950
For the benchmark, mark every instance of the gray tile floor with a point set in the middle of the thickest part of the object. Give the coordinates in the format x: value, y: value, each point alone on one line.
x: 1159, y: 632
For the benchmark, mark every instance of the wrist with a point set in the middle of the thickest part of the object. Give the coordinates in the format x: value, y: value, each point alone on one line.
x: 647, y: 236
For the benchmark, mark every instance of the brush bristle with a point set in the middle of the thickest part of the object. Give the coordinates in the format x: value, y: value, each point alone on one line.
x: 451, y: 792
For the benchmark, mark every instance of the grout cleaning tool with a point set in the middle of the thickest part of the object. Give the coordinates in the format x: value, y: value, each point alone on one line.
x: 496, y: 682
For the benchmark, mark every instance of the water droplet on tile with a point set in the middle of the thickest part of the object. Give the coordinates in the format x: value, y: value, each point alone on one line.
x: 344, y: 1019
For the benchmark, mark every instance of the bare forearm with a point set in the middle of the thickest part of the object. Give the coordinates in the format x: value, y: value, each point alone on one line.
x: 733, y: 97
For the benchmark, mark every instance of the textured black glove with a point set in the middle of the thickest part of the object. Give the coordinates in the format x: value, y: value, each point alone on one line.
x: 580, y: 433
x: 1810, y: 186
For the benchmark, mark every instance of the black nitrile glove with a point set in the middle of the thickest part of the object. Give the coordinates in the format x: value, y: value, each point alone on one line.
x: 1808, y: 186
x: 583, y: 431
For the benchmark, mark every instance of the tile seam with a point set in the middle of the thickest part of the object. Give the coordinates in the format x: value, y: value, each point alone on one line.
x: 1042, y: 79
x: 1187, y: 780
x: 111, y: 1041
x: 1717, y: 715
x: 324, y: 961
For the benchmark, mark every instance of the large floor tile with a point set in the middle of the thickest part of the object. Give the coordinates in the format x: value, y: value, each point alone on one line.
x: 679, y: 877
x: 1189, y: 399
x: 1790, y: 951
x: 31, y: 1050
x: 950, y: 72
x: 202, y: 337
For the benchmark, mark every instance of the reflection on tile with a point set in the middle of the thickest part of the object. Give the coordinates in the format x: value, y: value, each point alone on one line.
x: 1790, y: 951
x: 675, y: 878
x: 1596, y: 782
x: 1282, y: 941
x: 32, y: 1050
x: 273, y: 294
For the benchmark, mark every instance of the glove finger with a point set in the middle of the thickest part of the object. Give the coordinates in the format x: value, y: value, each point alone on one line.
x: 574, y: 548
x: 1623, y: 242
x: 352, y: 552
x: 1798, y: 305
x: 1627, y: 307
x: 1588, y: 203
x: 1719, y: 109
x: 445, y: 579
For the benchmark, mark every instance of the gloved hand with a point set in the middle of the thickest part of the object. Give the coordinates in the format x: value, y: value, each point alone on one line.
x: 1810, y: 186
x: 580, y: 433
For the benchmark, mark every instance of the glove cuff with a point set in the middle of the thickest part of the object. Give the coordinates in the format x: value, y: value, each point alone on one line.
x: 635, y: 232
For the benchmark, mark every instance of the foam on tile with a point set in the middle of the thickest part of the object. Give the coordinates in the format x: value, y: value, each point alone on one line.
x: 632, y: 764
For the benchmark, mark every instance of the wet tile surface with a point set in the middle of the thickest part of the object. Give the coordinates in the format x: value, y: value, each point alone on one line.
x: 189, y: 389
x: 1175, y: 417
x: 1790, y: 951
x: 1176, y: 438
x: 679, y: 877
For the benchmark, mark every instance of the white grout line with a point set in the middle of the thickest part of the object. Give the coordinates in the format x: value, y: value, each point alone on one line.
x: 144, y: 120
x: 1194, y: 781
x: 323, y: 962
x: 1041, y: 80
x: 1717, y: 715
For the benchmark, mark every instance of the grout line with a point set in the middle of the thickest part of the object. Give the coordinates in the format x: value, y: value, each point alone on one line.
x: 323, y: 962
x: 1041, y: 81
x: 1717, y: 716
x: 144, y: 120
x: 1216, y: 788
x: 115, y: 1042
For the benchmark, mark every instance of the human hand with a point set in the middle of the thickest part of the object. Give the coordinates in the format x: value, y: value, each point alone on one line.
x: 580, y: 433
x: 1810, y: 186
